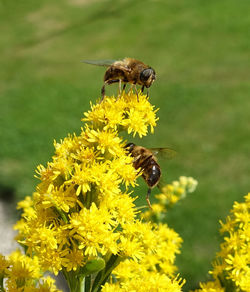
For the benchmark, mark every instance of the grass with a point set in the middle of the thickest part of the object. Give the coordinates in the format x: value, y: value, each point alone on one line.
x: 201, y: 53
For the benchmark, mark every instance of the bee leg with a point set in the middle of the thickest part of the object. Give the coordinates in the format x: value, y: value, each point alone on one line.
x: 147, y: 92
x: 120, y: 89
x: 147, y: 198
x: 120, y: 86
x: 140, y: 172
x: 124, y: 86
x: 102, y: 92
x: 136, y: 91
x: 111, y: 81
x: 142, y: 88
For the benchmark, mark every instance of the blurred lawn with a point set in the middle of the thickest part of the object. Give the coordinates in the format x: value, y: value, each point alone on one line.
x: 201, y: 53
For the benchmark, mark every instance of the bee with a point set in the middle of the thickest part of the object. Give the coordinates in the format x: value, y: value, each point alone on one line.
x: 146, y: 160
x: 127, y: 70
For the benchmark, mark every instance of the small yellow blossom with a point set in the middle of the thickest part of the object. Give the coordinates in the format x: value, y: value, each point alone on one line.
x: 177, y: 190
x: 92, y: 228
x: 147, y: 282
x: 23, y: 273
x: 170, y: 195
x: 232, y: 266
x: 23, y: 267
x: 4, y: 264
x: 74, y: 259
x: 47, y: 285
x: 210, y: 287
x: 125, y: 112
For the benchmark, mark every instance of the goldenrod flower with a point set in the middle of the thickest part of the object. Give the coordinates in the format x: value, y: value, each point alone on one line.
x: 47, y: 285
x: 125, y: 113
x: 4, y: 264
x: 158, y: 246
x: 232, y: 266
x: 23, y: 273
x: 170, y: 195
x: 82, y: 220
x: 146, y: 282
x: 210, y: 287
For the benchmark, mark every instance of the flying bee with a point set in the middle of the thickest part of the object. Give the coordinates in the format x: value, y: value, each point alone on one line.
x: 127, y: 70
x: 146, y: 160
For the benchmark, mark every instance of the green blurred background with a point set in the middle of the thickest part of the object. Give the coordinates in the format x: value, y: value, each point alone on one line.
x: 201, y: 53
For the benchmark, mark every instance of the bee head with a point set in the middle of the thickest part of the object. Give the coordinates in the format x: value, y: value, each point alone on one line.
x: 130, y: 147
x: 147, y: 76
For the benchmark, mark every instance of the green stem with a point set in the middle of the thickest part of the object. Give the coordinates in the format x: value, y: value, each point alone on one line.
x: 75, y: 283
x: 62, y: 214
x: 88, y: 201
x: 1, y: 284
x: 103, y: 275
x: 87, y: 283
x: 82, y: 281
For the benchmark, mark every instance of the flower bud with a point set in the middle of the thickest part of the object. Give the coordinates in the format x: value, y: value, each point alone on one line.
x: 93, y: 266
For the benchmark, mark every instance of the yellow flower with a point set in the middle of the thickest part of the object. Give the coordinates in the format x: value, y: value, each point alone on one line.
x: 147, y: 282
x: 121, y: 207
x: 105, y: 141
x: 73, y: 260
x: 170, y: 195
x: 154, y: 213
x: 22, y: 271
x: 233, y: 260
x: 81, y: 209
x: 135, y: 123
x: 47, y: 285
x: 27, y: 206
x: 210, y: 287
x: 158, y: 246
x: 4, y: 264
x: 108, y: 113
x: 92, y: 228
x: 177, y: 190
x: 218, y: 268
x: 124, y: 113
x: 80, y: 178
x: 226, y: 227
x: 41, y: 238
x: 237, y: 265
x: 123, y: 166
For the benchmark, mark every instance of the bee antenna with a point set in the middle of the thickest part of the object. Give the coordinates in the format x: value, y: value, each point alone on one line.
x: 147, y: 199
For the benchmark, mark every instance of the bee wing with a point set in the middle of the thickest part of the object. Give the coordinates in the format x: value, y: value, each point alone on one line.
x: 166, y: 153
x: 105, y: 63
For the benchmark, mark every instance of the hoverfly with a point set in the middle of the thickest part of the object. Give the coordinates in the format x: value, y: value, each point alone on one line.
x: 146, y: 160
x: 128, y: 70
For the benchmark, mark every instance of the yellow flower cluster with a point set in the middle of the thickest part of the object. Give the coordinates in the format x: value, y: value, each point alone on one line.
x: 19, y: 272
x: 148, y: 282
x: 231, y: 270
x: 82, y: 221
x: 170, y: 195
x: 154, y: 270
x: 129, y: 112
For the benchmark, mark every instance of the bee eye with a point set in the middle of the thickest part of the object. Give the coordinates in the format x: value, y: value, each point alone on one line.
x: 130, y: 146
x: 145, y: 74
